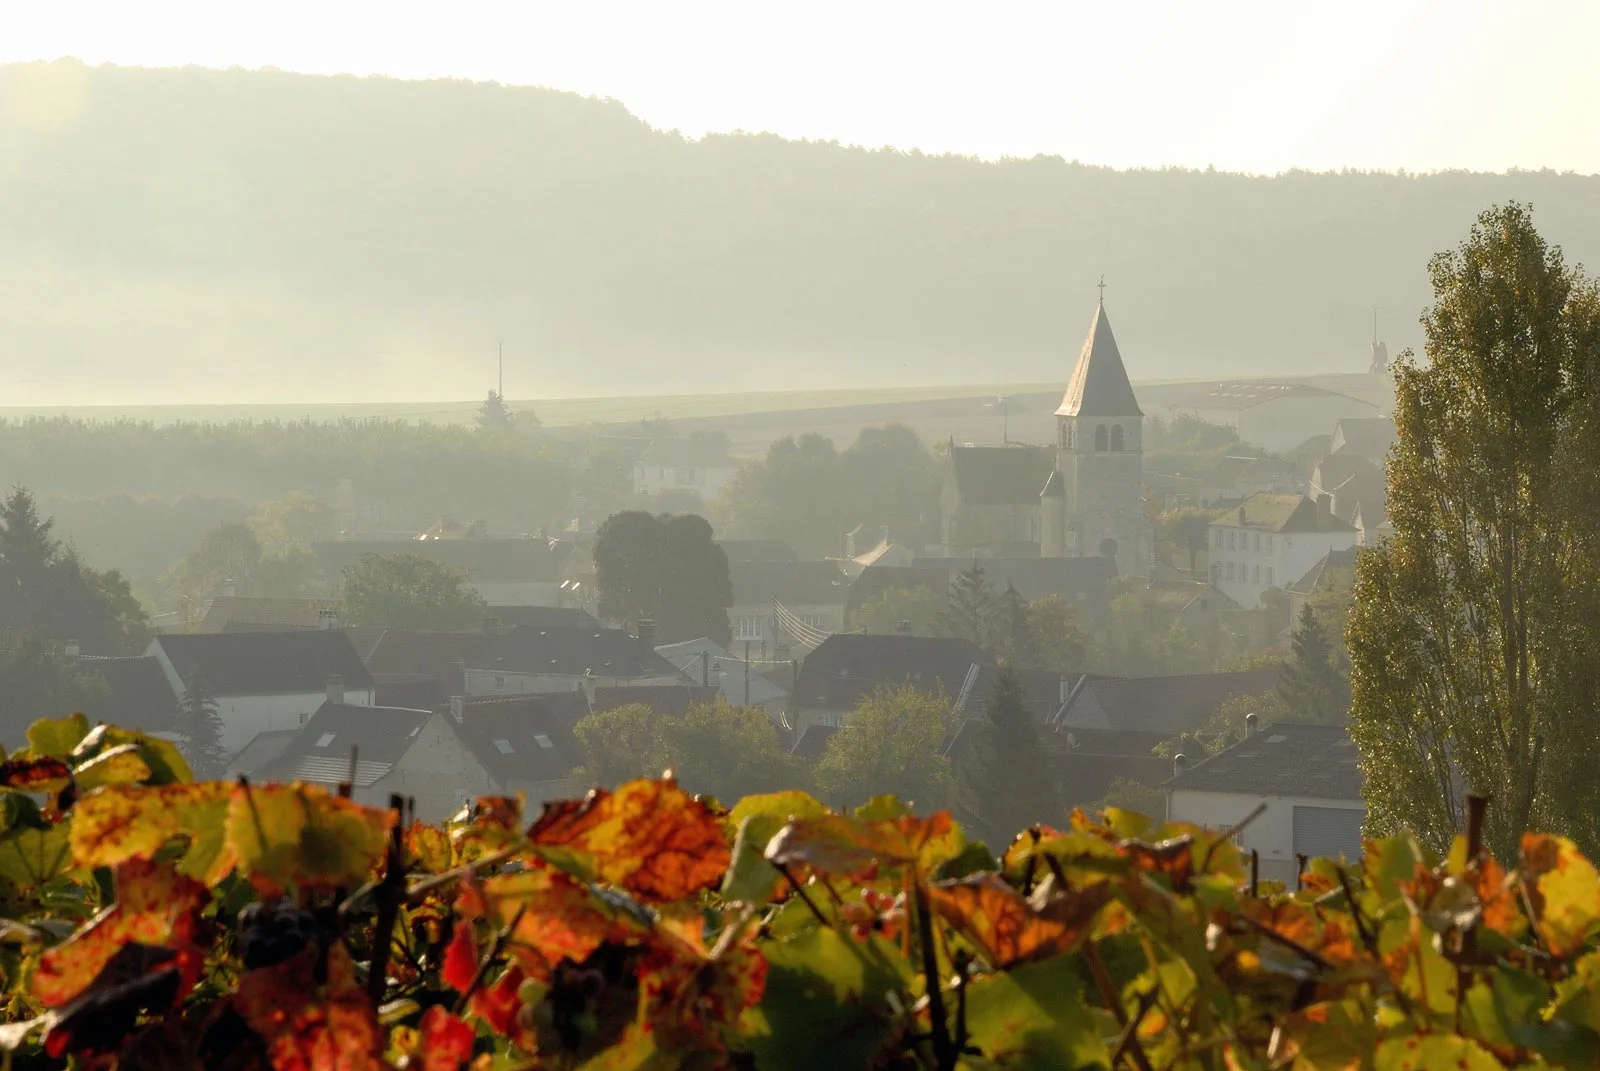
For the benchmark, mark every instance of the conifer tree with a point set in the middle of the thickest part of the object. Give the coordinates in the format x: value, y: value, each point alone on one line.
x: 1006, y: 781
x: 493, y: 412
x: 973, y: 610
x: 198, y: 725
x: 1313, y: 688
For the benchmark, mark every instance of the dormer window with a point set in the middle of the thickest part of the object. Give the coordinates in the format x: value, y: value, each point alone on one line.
x: 325, y: 739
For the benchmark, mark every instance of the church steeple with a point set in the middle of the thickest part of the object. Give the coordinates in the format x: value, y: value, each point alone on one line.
x: 1099, y: 386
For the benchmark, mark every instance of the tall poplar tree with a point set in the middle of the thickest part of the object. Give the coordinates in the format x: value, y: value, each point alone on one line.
x: 1473, y: 632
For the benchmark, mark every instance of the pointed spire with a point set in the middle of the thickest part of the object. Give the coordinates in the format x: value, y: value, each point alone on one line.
x: 1099, y: 384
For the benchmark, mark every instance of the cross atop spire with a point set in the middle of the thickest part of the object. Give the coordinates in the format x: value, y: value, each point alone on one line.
x: 1102, y: 291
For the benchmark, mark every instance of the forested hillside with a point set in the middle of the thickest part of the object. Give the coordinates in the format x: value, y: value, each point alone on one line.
x: 194, y: 235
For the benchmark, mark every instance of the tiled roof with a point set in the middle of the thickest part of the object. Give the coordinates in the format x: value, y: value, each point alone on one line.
x: 813, y: 741
x: 850, y: 666
x: 1001, y: 475
x: 1313, y: 578
x: 1369, y: 437
x: 139, y: 696
x: 1168, y: 705
x: 1248, y: 394
x: 544, y: 616
x: 523, y: 560
x: 320, y: 751
x: 1099, y: 385
x: 1036, y: 578
x: 601, y: 652
x: 265, y: 748
x: 1351, y: 479
x: 527, y: 738
x: 725, y: 672
x: 791, y: 583
x: 266, y: 663
x: 1268, y: 511
x: 757, y: 550
x: 1282, y: 759
x: 669, y: 699
x: 441, y: 655
x: 243, y: 612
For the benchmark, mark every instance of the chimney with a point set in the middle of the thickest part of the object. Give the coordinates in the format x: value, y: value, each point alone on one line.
x: 1250, y: 725
x: 328, y: 620
x: 336, y: 688
x: 883, y: 535
x: 458, y: 708
x: 1066, y: 690
x: 74, y: 649
x: 904, y: 628
x: 1324, y: 511
x: 1241, y: 516
x: 1179, y: 764
x: 230, y: 588
x: 647, y: 631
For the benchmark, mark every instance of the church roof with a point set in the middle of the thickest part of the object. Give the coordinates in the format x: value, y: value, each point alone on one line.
x: 1001, y: 475
x: 1055, y: 486
x: 1099, y: 385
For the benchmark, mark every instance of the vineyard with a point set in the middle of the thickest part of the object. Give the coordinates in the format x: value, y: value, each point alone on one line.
x: 153, y: 922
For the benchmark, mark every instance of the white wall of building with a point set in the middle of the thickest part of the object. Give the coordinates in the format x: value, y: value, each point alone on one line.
x: 700, y: 481
x: 243, y: 716
x: 1271, y: 835
x: 1246, y: 562
x: 754, y: 622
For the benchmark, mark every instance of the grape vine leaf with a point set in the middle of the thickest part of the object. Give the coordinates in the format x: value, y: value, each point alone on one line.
x: 310, y: 1024
x: 460, y: 964
x: 1428, y: 1052
x: 649, y: 837
x: 57, y: 737
x: 757, y: 820
x: 44, y: 774
x: 445, y: 1041
x: 1564, y: 888
x: 303, y: 835
x: 120, y: 822
x: 120, y: 765
x: 1034, y: 1017
x: 1004, y: 926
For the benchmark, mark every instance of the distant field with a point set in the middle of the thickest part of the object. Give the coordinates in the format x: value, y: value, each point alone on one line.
x: 553, y: 412
x: 866, y: 406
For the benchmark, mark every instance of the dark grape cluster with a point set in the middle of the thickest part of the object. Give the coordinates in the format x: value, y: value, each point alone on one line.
x: 270, y: 933
x: 585, y: 1004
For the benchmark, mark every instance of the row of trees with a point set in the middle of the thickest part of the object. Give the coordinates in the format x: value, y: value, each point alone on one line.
x: 896, y: 744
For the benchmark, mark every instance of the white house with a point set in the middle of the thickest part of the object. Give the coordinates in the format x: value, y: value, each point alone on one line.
x: 1309, y: 780
x: 779, y: 605
x: 265, y: 681
x: 530, y: 660
x: 1278, y: 416
x: 1270, y: 540
x: 699, y: 466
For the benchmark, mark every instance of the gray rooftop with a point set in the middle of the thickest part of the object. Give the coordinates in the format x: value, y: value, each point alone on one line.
x: 1283, y: 759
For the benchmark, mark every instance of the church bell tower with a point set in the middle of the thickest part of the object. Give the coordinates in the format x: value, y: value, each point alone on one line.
x: 1099, y: 454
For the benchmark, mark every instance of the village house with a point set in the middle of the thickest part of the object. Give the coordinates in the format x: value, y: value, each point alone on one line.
x: 531, y: 660
x: 1234, y: 479
x: 696, y: 465
x: 731, y: 677
x: 1274, y: 415
x: 1334, y: 567
x: 781, y: 605
x: 519, y: 571
x: 525, y: 744
x: 138, y: 693
x: 1369, y: 437
x: 412, y: 753
x: 849, y: 667
x: 1271, y: 539
x: 264, y: 681
x: 1308, y: 778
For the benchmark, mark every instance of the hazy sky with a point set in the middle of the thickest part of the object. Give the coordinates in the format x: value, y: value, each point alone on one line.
x: 1254, y: 86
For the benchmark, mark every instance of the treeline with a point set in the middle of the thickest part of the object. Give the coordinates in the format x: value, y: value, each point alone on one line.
x: 343, y: 231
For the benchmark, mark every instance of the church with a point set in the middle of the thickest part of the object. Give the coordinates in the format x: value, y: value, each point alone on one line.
x: 1077, y: 498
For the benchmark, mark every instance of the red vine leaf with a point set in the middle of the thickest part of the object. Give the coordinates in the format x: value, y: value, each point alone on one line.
x: 649, y: 837
x: 461, y: 957
x: 47, y: 774
x: 446, y: 1042
x: 1008, y: 930
x: 312, y: 1023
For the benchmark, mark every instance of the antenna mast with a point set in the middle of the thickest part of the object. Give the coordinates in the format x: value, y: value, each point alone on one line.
x: 500, y: 354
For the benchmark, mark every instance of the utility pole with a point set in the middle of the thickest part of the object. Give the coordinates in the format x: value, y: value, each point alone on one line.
x: 747, y: 673
x: 500, y: 356
x: 705, y: 669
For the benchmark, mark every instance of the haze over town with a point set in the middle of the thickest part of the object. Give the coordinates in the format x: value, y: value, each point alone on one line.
x: 712, y: 535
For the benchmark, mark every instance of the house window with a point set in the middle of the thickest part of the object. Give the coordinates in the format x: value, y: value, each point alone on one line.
x: 1100, y: 437
x: 1216, y: 571
x: 543, y: 740
x: 1269, y: 544
x: 1216, y: 539
x: 1255, y: 574
x: 1116, y: 437
x: 1257, y: 541
x: 325, y: 739
x: 1230, y: 570
x: 1232, y: 535
x: 747, y: 628
x: 503, y: 746
x: 499, y: 684
x: 1270, y: 581
x: 687, y: 477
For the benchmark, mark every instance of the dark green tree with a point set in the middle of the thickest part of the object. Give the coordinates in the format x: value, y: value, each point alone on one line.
x: 1012, y: 630
x: 45, y: 587
x: 1473, y: 630
x: 408, y: 591
x: 667, y: 568
x: 1314, y: 688
x: 198, y: 725
x: 893, y: 745
x: 39, y: 680
x: 973, y: 609
x: 493, y: 413
x: 1006, y: 779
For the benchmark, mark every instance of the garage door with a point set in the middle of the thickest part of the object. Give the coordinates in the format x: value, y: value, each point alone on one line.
x: 1328, y: 832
